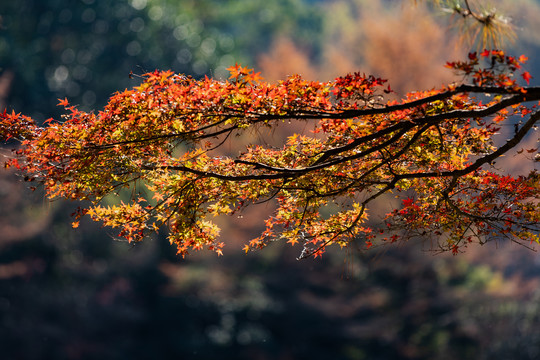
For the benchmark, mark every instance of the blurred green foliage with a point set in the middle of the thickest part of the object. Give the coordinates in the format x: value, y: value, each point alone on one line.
x: 85, y: 50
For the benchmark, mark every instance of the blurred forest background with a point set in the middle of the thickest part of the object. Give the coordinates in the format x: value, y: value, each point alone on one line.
x: 79, y: 294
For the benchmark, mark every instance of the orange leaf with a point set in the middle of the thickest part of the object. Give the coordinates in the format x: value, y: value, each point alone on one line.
x: 523, y: 59
x: 63, y: 103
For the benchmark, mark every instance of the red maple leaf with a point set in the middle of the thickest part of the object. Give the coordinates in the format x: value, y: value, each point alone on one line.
x: 63, y: 103
x: 527, y: 76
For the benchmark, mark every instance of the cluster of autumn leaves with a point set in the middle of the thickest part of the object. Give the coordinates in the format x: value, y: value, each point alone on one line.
x: 157, y: 149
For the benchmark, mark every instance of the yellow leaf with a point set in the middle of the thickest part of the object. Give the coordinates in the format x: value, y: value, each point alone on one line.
x: 292, y: 241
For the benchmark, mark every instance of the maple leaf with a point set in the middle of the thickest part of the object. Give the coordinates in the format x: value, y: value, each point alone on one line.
x: 292, y: 241
x: 484, y: 53
x: 158, y: 196
x: 526, y: 76
x: 523, y: 59
x: 63, y: 102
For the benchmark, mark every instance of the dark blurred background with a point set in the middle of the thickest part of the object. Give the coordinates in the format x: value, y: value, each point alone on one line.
x: 79, y: 294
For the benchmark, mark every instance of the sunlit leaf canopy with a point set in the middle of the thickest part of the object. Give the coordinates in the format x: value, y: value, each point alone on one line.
x: 434, y: 152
